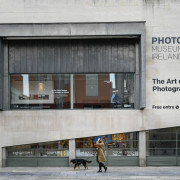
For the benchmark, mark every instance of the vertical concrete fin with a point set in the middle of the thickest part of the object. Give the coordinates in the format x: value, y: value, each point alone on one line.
x: 143, y: 71
x: 1, y: 69
x: 5, y: 82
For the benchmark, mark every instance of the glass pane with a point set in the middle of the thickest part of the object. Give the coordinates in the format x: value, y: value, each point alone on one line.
x: 85, y: 142
x: 53, y: 149
x: 44, y: 91
x: 161, y: 152
x: 178, y: 144
x: 178, y: 136
x: 85, y: 152
x: 104, y: 91
x: 23, y: 147
x: 162, y: 144
x: 52, y: 91
x: 54, y: 145
x: 123, y: 152
x: 21, y: 153
x: 91, y: 85
x: 164, y: 130
x: 125, y: 137
x: 162, y: 135
x: 125, y: 144
x: 53, y: 153
x: 178, y: 129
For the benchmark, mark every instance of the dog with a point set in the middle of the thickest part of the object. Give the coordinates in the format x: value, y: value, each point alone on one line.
x: 78, y: 162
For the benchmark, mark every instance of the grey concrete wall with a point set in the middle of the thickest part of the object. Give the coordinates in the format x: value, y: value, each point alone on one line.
x: 162, y: 20
x: 25, y: 127
x: 34, y: 11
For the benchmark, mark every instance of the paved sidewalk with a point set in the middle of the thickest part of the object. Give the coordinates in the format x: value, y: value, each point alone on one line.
x: 124, y: 173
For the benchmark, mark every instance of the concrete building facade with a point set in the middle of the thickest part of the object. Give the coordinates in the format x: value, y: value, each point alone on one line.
x: 133, y: 43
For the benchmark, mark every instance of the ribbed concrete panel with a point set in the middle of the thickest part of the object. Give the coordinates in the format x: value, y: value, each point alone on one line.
x: 72, y: 55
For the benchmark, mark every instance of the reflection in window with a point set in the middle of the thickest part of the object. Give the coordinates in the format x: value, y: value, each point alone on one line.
x: 91, y: 85
x: 49, y: 149
x: 43, y: 91
x: 53, y: 91
x: 115, y: 145
x: 162, y: 142
x: 104, y: 91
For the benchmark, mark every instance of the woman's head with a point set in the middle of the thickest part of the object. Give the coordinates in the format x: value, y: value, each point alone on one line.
x: 100, y: 140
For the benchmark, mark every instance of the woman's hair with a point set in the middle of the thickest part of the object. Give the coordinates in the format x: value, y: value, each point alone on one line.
x: 100, y: 140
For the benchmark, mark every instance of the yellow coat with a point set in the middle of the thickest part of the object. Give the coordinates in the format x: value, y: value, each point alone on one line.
x: 100, y: 152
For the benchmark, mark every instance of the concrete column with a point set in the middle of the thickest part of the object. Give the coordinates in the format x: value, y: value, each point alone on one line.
x: 6, y: 93
x: 142, y: 148
x: 72, y: 150
x: 3, y: 157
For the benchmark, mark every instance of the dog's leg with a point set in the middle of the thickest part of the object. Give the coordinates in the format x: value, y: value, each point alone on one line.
x: 84, y: 164
x: 79, y: 167
x: 75, y: 166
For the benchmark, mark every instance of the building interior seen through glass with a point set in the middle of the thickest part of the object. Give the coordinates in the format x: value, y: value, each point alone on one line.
x: 115, y: 145
x: 77, y: 91
x: 48, y: 149
x: 163, y: 142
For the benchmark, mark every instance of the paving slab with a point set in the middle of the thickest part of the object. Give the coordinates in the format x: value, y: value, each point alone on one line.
x: 123, y: 173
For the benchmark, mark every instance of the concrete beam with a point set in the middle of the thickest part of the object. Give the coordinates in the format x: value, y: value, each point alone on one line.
x: 72, y: 29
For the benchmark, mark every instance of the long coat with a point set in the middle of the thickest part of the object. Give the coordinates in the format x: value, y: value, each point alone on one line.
x: 101, y: 152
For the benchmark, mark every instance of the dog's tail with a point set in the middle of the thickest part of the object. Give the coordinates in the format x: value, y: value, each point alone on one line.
x: 88, y: 161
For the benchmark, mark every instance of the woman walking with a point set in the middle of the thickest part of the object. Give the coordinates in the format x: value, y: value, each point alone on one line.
x: 101, y: 155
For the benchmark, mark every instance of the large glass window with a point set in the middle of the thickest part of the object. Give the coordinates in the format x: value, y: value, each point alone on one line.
x: 162, y: 142
x: 49, y: 149
x: 78, y: 91
x: 115, y: 145
x: 104, y: 91
x: 42, y: 91
x: 123, y: 145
